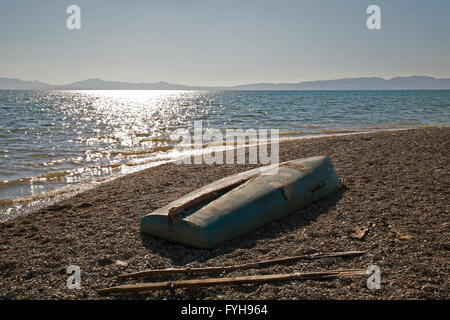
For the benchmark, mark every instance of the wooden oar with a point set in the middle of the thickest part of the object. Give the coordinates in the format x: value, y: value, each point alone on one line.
x: 238, y: 267
x: 196, y: 283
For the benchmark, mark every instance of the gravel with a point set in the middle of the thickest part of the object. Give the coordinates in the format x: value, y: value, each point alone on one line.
x: 396, y: 185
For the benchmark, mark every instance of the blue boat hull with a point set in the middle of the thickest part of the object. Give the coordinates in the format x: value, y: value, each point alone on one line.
x: 236, y: 205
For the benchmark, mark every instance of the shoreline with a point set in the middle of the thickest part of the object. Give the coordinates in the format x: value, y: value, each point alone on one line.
x: 393, y: 181
x: 30, y: 204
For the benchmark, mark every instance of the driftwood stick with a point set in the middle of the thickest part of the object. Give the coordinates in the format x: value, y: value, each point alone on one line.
x: 196, y: 283
x: 238, y: 267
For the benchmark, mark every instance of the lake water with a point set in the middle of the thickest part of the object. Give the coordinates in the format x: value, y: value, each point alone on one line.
x: 52, y: 141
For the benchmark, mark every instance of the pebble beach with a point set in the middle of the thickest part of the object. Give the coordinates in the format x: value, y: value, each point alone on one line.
x: 396, y: 188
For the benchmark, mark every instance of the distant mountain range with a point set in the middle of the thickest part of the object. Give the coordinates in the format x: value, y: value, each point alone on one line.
x: 369, y: 83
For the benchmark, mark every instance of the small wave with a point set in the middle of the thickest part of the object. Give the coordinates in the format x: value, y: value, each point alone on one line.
x: 49, y: 177
x: 142, y: 135
x: 5, y: 203
x: 158, y: 140
x: 291, y: 133
x: 142, y: 152
x: 11, y: 183
x: 338, y: 131
x: 11, y: 208
x: 97, y: 138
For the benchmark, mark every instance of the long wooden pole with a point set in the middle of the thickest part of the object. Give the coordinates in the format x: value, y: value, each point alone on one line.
x: 259, y: 264
x: 196, y: 283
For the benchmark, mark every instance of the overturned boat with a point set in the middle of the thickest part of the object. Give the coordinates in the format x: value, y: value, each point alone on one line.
x: 238, y: 204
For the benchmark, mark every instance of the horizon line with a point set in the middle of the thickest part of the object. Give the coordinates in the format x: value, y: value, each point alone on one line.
x: 232, y: 85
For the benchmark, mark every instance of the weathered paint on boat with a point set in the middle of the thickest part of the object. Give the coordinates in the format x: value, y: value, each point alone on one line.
x: 238, y: 204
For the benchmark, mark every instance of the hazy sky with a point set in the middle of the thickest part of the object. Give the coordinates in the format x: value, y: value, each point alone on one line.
x: 209, y: 42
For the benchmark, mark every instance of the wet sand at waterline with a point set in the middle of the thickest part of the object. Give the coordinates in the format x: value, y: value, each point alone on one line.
x: 396, y: 183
